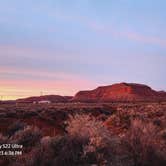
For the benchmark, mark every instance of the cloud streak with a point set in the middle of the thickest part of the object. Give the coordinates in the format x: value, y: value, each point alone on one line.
x: 110, y: 30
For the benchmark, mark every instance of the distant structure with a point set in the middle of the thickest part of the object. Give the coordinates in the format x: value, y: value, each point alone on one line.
x: 44, y: 102
x: 41, y: 93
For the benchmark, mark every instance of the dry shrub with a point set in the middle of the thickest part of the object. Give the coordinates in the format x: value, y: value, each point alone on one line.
x: 124, y: 118
x: 4, y: 159
x: 120, y: 119
x: 70, y: 153
x: 28, y: 136
x: 163, y: 134
x: 141, y: 143
x: 56, y: 151
x: 94, y: 135
x: 39, y: 156
x: 15, y: 127
x: 3, y: 139
x: 88, y: 128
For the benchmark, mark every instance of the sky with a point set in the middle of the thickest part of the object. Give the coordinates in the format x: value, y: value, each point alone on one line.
x: 61, y: 46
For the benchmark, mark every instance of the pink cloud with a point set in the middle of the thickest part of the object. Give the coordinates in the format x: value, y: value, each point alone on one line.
x: 131, y: 35
x: 145, y: 39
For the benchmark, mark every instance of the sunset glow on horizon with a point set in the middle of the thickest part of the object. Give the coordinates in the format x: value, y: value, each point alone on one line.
x: 61, y: 47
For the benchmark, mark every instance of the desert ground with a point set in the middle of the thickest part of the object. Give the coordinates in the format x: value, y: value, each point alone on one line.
x: 71, y: 134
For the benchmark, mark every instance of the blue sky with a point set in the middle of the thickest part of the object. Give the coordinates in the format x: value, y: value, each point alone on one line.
x: 61, y: 46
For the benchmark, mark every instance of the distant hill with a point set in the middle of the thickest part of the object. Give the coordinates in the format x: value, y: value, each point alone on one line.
x: 120, y: 92
x: 51, y: 98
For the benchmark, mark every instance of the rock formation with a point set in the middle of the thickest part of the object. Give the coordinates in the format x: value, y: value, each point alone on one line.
x: 121, y: 92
